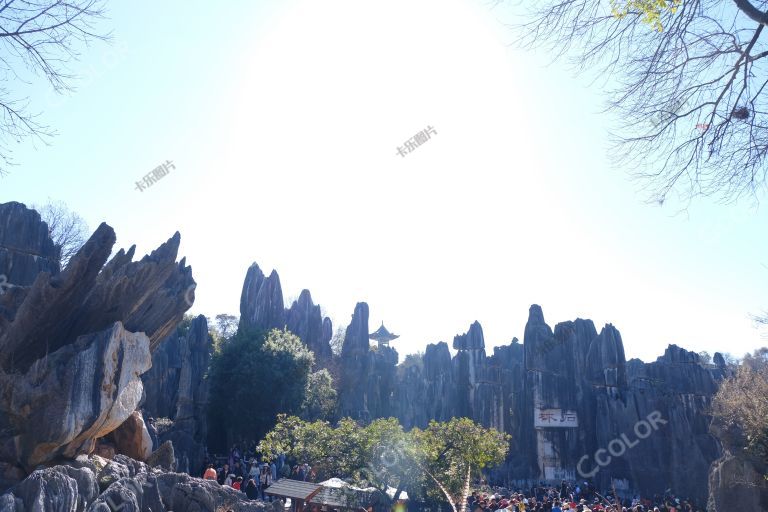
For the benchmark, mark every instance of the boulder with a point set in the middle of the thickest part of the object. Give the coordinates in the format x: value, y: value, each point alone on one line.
x: 163, y: 458
x: 183, y: 492
x: 138, y: 493
x: 132, y: 438
x: 56, y: 489
x: 736, y: 484
x: 79, y: 393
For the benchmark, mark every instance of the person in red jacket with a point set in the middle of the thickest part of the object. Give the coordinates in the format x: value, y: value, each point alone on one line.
x: 237, y: 483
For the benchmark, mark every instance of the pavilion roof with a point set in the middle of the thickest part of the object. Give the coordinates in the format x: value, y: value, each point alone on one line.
x: 382, y: 334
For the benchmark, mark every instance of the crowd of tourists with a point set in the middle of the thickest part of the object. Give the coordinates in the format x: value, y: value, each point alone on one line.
x: 572, y: 497
x: 251, y: 475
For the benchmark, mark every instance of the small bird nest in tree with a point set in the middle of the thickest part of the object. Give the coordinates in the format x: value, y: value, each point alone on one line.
x: 741, y: 113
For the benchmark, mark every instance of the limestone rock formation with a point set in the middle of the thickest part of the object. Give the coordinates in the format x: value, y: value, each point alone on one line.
x: 261, y: 302
x: 563, y: 395
x: 736, y: 479
x: 262, y: 309
x: 132, y: 438
x: 368, y: 377
x: 305, y: 320
x: 176, y: 388
x: 164, y: 457
x: 74, y: 343
x: 98, y: 485
x: 79, y: 393
x: 89, y: 296
x: 56, y: 489
x: 25, y: 247
x: 736, y: 484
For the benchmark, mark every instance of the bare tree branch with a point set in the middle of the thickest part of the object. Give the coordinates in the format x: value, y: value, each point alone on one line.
x: 39, y: 38
x: 686, y: 89
x: 752, y: 11
x: 66, y: 228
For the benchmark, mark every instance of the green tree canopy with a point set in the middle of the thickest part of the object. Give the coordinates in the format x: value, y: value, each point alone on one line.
x: 452, y: 452
x: 253, y: 377
x: 441, y: 458
x: 320, y: 398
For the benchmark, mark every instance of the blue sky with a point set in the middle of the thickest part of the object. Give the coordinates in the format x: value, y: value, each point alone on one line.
x: 283, y: 120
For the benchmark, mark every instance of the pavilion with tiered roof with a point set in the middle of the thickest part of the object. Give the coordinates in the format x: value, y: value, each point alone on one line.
x: 383, y: 336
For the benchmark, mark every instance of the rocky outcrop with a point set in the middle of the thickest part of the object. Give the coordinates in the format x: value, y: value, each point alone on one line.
x: 737, y: 479
x: 97, y: 485
x: 57, y: 489
x: 182, y: 492
x: 262, y: 309
x: 305, y: 320
x: 25, y: 247
x: 367, y: 377
x: 132, y: 438
x: 176, y: 388
x: 74, y: 343
x: 563, y: 395
x: 736, y: 484
x: 74, y: 396
x: 164, y: 457
x: 89, y: 296
x: 261, y: 301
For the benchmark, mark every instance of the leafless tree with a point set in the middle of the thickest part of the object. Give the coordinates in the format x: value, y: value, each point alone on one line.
x: 39, y: 37
x: 740, y: 407
x: 67, y: 229
x: 688, y: 88
x: 226, y: 325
